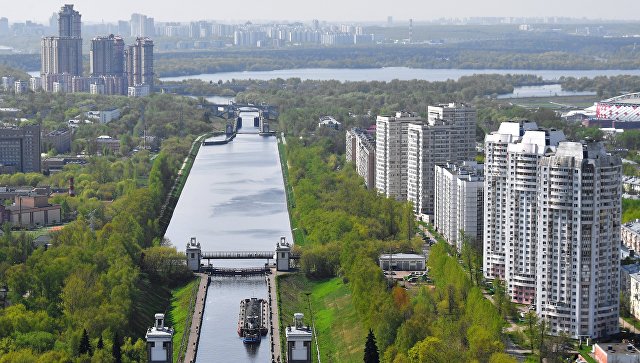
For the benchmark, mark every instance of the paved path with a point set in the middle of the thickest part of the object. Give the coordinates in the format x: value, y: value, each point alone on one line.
x: 196, y: 319
x: 628, y: 326
x: 274, y: 319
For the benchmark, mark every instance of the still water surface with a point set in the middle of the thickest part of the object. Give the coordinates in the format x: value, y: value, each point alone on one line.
x: 233, y: 200
x: 390, y: 73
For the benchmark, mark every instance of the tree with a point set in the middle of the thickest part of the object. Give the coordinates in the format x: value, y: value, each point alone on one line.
x: 100, y: 344
x: 85, y: 345
x: 116, y: 348
x: 371, y: 349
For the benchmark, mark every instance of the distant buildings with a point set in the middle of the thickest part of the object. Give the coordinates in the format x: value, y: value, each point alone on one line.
x: 32, y: 211
x: 20, y: 149
x: 329, y: 122
x: 361, y: 150
x: 107, y: 144
x: 60, y: 140
x: 62, y: 54
x: 104, y: 116
x: 113, y: 67
x: 139, y: 63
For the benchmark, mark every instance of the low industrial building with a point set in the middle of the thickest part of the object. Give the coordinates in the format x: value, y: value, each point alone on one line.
x: 616, y: 353
x: 107, y: 142
x: 402, y: 262
x: 32, y: 211
x: 329, y: 122
x: 104, y: 116
x: 60, y: 140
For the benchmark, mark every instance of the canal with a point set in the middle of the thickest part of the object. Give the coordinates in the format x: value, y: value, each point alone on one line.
x: 233, y: 199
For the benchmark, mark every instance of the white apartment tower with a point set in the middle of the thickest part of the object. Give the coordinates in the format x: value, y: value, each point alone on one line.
x: 579, y: 215
x: 447, y: 136
x: 361, y: 150
x: 459, y: 202
x: 510, y: 211
x: 391, y: 154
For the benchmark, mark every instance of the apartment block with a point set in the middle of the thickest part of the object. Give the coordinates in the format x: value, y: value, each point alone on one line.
x: 361, y: 150
x: 459, y: 202
x: 511, y: 212
x: 578, y: 252
x: 391, y: 153
x: 20, y: 149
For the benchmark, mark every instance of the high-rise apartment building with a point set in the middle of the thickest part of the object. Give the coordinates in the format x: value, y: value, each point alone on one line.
x: 578, y: 261
x: 106, y: 57
x: 510, y: 240
x: 459, y: 202
x: 361, y: 150
x: 141, y: 26
x: 62, y: 54
x: 69, y: 22
x: 139, y: 63
x: 552, y: 226
x: 4, y: 26
x: 447, y: 136
x: 391, y: 154
x: 20, y: 149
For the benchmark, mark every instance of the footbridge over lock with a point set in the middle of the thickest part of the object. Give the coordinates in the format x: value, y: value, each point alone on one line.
x: 282, y: 255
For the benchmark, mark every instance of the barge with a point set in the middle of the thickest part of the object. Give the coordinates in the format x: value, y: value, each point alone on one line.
x: 252, y: 320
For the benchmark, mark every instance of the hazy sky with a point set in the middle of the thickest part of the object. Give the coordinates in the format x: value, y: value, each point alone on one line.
x: 331, y: 10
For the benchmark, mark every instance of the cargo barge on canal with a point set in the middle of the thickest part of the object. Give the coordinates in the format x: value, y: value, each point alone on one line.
x: 252, y: 321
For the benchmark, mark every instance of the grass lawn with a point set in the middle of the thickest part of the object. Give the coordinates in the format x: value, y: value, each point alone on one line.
x: 341, y: 335
x: 632, y: 321
x: 584, y: 352
x: 181, y: 299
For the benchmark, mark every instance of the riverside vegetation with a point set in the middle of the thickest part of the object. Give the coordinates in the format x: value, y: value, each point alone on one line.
x: 108, y: 267
x: 107, y: 271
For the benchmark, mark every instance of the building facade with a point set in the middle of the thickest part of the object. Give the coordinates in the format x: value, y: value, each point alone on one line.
x: 496, y: 215
x: 630, y: 234
x: 578, y: 252
x: 459, y: 202
x: 20, y: 148
x: 361, y: 150
x: 139, y: 63
x: 447, y: 136
x: 391, y: 154
x: 106, y: 57
x: 62, y: 54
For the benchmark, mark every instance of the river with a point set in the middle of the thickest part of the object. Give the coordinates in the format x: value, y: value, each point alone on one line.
x: 390, y: 73
x: 233, y: 199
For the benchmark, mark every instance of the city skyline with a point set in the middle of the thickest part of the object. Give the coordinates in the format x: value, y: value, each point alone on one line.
x: 330, y: 10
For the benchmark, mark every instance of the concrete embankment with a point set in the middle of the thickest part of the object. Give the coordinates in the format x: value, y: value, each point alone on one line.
x: 274, y: 318
x: 196, y: 320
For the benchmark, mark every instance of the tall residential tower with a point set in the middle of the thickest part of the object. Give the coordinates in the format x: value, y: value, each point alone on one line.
x: 578, y: 254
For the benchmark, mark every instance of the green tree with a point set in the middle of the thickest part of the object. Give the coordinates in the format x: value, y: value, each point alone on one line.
x: 116, y: 348
x: 85, y: 345
x: 371, y: 354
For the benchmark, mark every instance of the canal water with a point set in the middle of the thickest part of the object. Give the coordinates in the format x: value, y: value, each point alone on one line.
x: 233, y: 200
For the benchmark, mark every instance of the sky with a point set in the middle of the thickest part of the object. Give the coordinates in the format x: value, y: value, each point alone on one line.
x: 96, y: 11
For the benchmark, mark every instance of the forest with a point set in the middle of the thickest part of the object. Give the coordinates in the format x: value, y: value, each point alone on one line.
x: 91, y: 295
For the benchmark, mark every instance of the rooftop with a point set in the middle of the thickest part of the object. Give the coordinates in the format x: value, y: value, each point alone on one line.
x: 619, y: 348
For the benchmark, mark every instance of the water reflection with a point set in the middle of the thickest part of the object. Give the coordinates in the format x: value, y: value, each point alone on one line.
x: 233, y: 199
